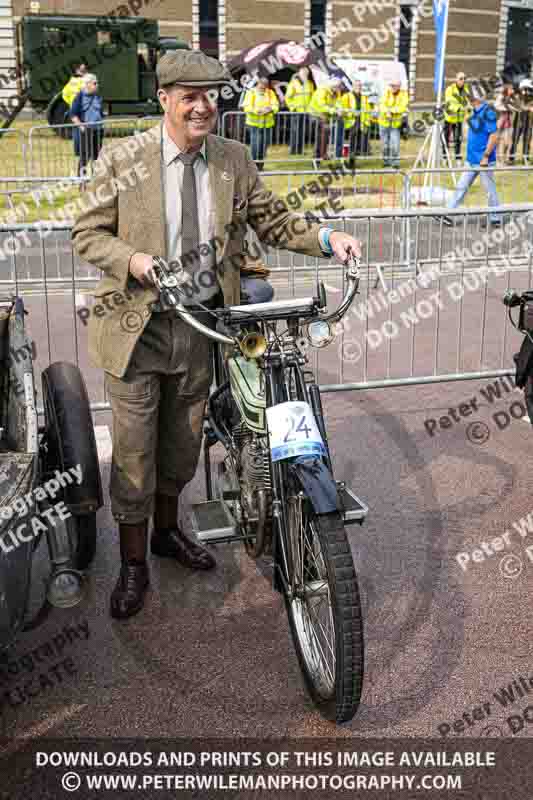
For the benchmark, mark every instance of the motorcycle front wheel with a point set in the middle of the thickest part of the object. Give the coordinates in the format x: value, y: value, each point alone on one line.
x: 323, y: 606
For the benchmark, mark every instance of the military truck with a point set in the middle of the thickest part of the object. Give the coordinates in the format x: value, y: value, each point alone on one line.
x: 121, y: 51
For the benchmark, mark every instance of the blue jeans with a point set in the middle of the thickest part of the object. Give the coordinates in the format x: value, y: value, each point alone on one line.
x: 390, y: 138
x: 465, y: 182
x: 259, y: 141
x: 256, y: 290
x: 297, y: 134
x: 339, y: 138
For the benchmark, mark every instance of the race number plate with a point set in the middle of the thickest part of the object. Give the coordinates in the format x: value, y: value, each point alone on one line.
x: 293, y: 431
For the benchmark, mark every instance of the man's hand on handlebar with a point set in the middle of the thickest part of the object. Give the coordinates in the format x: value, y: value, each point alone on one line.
x: 344, y: 246
x: 141, y: 267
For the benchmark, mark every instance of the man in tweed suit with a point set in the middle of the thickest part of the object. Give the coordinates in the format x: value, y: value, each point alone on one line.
x: 184, y: 185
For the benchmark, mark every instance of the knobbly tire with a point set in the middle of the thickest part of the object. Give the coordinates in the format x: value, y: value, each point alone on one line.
x: 327, y: 559
x: 70, y: 441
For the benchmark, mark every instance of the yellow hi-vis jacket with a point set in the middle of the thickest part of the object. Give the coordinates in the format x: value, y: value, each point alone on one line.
x: 71, y: 89
x: 298, y: 95
x: 254, y: 102
x: 348, y: 102
x: 323, y: 102
x: 392, y: 108
x: 456, y: 103
x: 371, y: 113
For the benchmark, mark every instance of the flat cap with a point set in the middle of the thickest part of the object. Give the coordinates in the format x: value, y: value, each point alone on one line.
x: 190, y: 68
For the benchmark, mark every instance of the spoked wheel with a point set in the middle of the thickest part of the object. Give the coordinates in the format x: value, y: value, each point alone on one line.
x: 323, y: 604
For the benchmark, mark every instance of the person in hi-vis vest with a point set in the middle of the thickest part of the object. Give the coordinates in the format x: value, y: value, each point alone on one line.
x: 261, y: 104
x: 359, y: 134
x: 346, y: 119
x: 393, y: 106
x: 455, y: 108
x: 75, y: 84
x: 297, y: 98
x: 323, y: 108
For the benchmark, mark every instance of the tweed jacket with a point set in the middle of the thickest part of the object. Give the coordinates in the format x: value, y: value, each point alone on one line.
x: 124, y: 216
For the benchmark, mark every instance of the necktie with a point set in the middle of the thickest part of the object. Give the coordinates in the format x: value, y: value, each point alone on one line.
x: 189, y: 217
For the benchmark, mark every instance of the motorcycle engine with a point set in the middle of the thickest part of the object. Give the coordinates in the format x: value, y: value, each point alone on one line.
x: 255, y: 471
x: 244, y: 475
x: 254, y: 481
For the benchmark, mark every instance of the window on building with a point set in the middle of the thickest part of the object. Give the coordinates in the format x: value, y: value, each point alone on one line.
x: 406, y: 20
x: 209, y: 27
x: 519, y: 44
x: 318, y: 21
x: 52, y: 37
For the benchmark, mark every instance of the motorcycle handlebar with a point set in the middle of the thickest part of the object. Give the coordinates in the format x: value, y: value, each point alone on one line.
x: 168, y: 284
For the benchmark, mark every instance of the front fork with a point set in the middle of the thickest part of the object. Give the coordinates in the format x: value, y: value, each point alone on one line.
x: 318, y: 411
x: 276, y: 387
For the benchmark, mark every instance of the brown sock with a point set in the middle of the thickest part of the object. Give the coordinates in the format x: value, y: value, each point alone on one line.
x: 133, y: 540
x: 166, y: 512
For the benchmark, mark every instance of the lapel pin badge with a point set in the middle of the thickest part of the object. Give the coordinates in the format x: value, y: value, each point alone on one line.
x: 226, y: 176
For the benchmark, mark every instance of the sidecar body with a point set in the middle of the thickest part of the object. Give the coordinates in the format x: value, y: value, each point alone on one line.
x: 30, y: 455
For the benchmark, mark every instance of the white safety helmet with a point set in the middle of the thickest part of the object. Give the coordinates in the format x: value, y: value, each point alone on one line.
x: 526, y: 85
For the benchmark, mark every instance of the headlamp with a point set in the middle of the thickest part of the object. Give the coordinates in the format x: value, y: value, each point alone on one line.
x: 319, y: 333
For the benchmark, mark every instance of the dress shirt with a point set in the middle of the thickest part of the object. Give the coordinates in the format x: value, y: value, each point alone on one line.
x: 173, y: 186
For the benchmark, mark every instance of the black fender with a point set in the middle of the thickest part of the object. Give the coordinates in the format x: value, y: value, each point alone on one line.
x: 316, y: 480
x: 70, y: 436
x: 318, y: 483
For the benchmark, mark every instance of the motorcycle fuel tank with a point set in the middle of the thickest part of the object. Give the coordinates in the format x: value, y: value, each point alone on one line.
x: 248, y: 389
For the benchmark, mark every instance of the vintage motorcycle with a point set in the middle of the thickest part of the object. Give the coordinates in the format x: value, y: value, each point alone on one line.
x: 274, y: 490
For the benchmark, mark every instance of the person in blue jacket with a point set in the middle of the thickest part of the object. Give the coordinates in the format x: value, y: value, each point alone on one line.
x: 480, y: 155
x: 87, y: 114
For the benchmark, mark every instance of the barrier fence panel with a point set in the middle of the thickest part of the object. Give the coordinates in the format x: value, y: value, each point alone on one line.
x: 445, y: 320
x: 298, y: 132
x: 438, y: 319
x: 52, y: 151
x: 293, y: 133
x: 340, y: 189
x: 51, y: 147
x: 13, y: 153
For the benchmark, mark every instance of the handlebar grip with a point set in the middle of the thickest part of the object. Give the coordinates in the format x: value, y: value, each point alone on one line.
x: 322, y: 298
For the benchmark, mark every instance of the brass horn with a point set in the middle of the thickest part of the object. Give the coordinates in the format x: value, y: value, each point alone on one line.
x: 253, y: 345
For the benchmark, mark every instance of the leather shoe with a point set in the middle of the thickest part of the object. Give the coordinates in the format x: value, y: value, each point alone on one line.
x: 173, y: 543
x: 127, y: 597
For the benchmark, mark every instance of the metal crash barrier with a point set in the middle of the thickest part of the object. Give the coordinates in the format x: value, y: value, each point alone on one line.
x: 51, y: 147
x: 13, y: 153
x: 299, y: 135
x: 437, y: 318
x: 47, y: 150
x: 339, y: 191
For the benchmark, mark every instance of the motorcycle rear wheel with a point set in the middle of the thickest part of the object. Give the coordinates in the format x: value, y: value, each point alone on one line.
x: 324, y: 608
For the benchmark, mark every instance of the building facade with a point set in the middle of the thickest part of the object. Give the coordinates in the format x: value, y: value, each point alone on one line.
x: 483, y: 35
